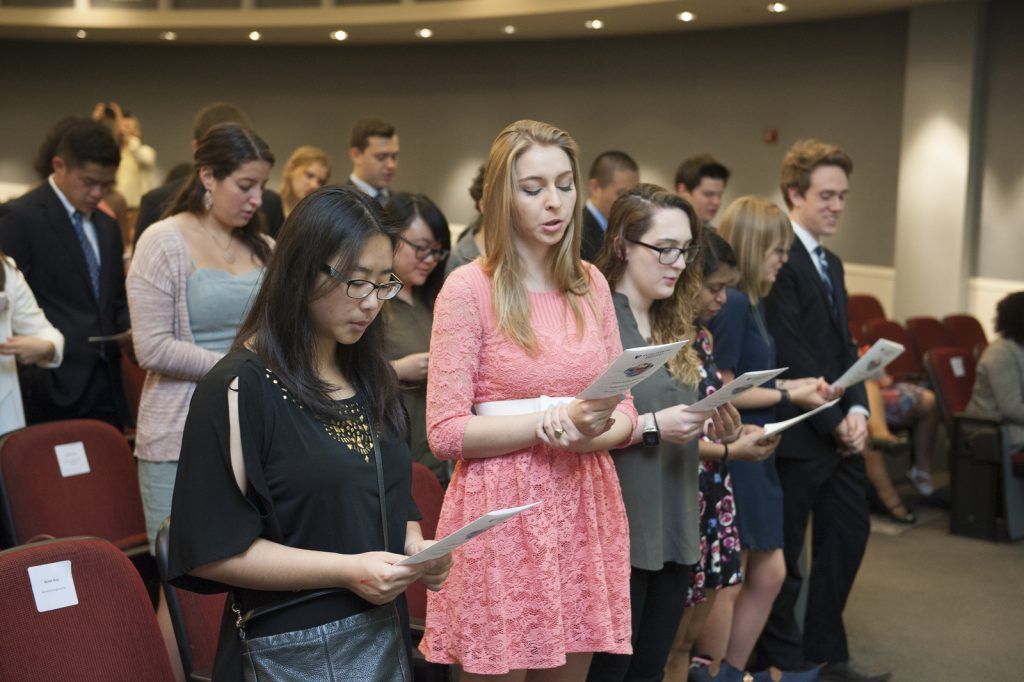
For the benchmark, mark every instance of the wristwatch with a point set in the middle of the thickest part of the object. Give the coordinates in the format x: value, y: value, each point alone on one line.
x: 652, y: 436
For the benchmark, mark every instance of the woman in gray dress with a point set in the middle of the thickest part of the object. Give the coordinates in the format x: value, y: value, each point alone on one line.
x: 651, y: 239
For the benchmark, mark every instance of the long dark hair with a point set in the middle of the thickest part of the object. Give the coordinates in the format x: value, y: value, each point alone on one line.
x: 332, y: 221
x: 224, y: 148
x: 404, y: 208
x: 714, y: 251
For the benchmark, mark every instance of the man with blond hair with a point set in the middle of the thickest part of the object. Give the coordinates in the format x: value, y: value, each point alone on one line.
x: 819, y: 461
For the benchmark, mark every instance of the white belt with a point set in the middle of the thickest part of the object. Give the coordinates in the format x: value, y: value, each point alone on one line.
x: 507, y: 408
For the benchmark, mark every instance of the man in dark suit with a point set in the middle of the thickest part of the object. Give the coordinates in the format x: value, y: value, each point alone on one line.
x: 155, y: 202
x: 819, y: 461
x: 72, y: 256
x: 612, y: 174
x: 701, y: 180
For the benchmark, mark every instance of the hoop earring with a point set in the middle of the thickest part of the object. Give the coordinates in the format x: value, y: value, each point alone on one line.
x: 207, y: 200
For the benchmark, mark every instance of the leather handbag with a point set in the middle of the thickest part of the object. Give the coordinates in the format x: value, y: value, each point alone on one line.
x: 365, y: 646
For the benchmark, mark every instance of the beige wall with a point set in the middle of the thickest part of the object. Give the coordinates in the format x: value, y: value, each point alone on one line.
x: 658, y: 97
x: 1000, y: 252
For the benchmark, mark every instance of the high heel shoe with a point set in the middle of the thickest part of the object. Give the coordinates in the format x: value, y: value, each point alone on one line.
x: 907, y: 519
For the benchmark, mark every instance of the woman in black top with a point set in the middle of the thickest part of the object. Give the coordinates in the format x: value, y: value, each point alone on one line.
x: 300, y: 510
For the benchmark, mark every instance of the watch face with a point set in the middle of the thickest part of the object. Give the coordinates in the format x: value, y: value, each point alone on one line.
x: 651, y: 438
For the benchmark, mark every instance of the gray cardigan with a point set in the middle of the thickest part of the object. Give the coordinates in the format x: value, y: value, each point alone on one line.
x: 659, y: 484
x: 999, y: 388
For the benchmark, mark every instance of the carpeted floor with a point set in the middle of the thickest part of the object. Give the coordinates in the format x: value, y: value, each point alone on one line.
x: 931, y: 606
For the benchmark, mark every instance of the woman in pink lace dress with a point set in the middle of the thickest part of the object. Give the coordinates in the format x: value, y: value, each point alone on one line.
x: 534, y: 598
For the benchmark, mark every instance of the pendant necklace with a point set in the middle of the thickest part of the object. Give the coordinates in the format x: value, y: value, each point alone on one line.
x: 225, y: 251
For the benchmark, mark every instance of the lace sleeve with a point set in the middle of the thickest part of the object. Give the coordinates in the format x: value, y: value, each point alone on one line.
x: 612, y: 340
x: 455, y: 342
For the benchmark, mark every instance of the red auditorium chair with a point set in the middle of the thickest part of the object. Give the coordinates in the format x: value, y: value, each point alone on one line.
x: 967, y: 332
x: 860, y: 308
x: 907, y: 367
x: 195, y: 617
x: 37, y: 501
x: 976, y: 448
x: 429, y: 495
x: 111, y: 634
x: 929, y: 333
x: 133, y: 377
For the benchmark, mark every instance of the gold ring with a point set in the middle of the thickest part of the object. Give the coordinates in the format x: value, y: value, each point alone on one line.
x: 559, y: 432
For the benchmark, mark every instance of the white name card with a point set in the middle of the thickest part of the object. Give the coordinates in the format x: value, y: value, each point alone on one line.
x: 71, y: 458
x: 52, y: 586
x: 957, y: 365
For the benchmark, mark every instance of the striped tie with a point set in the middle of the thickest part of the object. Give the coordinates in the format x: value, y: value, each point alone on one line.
x: 825, y: 276
x: 90, y: 256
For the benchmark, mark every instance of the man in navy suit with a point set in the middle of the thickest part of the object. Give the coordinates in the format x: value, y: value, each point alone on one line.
x: 72, y: 256
x: 819, y: 460
x: 612, y: 174
x: 373, y: 149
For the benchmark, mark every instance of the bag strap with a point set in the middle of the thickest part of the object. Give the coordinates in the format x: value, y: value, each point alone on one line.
x: 235, y: 440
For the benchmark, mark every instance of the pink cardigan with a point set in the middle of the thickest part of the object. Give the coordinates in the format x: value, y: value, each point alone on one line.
x: 157, y: 285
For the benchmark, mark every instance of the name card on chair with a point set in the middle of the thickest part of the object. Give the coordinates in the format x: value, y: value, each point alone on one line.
x: 957, y: 365
x: 71, y: 458
x: 52, y: 586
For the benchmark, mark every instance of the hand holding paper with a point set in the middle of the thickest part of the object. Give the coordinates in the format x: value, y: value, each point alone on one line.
x: 732, y: 389
x: 876, y: 359
x: 779, y: 427
x: 465, y: 534
x: 629, y: 369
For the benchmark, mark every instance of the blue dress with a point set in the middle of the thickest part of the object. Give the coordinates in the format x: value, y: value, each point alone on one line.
x: 743, y: 344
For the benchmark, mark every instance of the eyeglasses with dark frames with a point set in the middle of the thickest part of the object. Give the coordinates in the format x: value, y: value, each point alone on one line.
x: 667, y: 255
x: 425, y: 252
x: 361, y: 288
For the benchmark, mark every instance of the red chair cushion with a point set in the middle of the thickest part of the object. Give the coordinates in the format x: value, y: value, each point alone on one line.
x: 111, y: 634
x: 104, y: 502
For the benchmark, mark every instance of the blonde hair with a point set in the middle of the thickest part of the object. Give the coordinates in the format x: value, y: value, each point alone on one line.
x: 502, y: 262
x: 300, y: 158
x: 671, y: 318
x: 754, y: 226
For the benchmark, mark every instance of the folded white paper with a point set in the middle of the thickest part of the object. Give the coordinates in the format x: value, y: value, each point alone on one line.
x: 778, y: 427
x: 52, y: 586
x: 465, y: 534
x: 71, y: 459
x: 629, y: 369
x: 732, y: 389
x: 868, y: 366
x: 120, y: 336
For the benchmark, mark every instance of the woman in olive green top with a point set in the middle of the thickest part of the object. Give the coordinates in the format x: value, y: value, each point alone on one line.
x: 422, y: 247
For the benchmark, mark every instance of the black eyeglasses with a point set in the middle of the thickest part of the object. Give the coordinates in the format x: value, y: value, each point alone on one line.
x: 667, y: 255
x: 361, y: 288
x: 425, y: 252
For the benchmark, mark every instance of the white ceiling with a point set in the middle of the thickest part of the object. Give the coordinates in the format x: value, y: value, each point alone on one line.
x: 397, y: 21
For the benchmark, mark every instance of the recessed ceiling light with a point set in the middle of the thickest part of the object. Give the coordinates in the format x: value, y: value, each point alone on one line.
x: 168, y: 35
x: 594, y: 24
x: 254, y: 36
x: 686, y: 16
x: 81, y: 34
x: 339, y: 35
x: 424, y: 33
x: 777, y: 7
x: 509, y: 30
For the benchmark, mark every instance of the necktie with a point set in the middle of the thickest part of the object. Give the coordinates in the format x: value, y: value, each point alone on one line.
x: 382, y: 197
x: 819, y: 251
x: 90, y: 256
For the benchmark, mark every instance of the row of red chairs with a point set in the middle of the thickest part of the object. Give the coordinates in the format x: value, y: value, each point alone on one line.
x: 38, y: 504
x: 868, y: 323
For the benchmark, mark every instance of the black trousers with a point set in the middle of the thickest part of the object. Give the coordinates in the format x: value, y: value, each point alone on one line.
x: 833, y: 489
x: 656, y: 599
